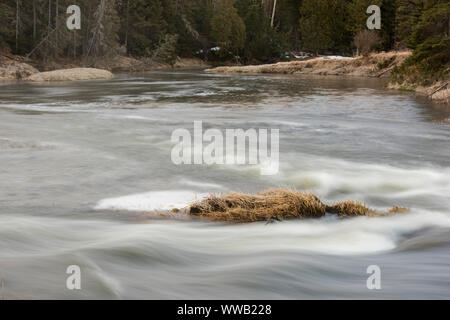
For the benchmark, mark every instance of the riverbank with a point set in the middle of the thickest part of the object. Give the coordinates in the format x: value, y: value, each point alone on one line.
x: 438, y: 92
x: 374, y: 65
x: 21, y: 68
x: 15, y: 67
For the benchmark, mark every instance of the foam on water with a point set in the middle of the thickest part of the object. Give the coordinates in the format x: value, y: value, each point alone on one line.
x: 201, y: 184
x: 371, y: 178
x: 150, y: 201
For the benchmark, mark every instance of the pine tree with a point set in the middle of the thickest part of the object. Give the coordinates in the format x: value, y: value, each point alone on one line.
x: 408, y: 15
x: 263, y: 43
x: 287, y: 20
x: 357, y: 14
x: 147, y: 27
x: 228, y: 29
x: 7, y: 16
x: 388, y: 22
x: 323, y: 25
x: 239, y: 27
x: 430, y: 39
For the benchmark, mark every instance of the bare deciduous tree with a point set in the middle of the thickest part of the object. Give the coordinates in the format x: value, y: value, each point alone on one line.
x: 366, y: 40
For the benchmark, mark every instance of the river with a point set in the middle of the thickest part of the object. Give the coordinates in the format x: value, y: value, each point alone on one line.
x: 80, y: 161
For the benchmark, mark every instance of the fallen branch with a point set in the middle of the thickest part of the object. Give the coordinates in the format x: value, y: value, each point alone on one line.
x: 439, y: 89
x: 387, y: 70
x: 41, y: 43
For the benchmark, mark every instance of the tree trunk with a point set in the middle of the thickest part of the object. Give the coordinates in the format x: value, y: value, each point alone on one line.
x: 273, y: 12
x: 48, y: 27
x: 17, y: 26
x: 128, y: 16
x: 34, y: 20
x: 49, y: 14
x: 56, y: 26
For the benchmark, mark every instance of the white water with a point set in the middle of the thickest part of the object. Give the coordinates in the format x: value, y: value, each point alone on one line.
x: 83, y: 163
x: 151, y: 201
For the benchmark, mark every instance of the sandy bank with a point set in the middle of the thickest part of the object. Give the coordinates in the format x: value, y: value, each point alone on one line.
x: 374, y: 65
x: 71, y: 74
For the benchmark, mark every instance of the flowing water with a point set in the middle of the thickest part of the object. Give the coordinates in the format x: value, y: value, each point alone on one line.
x: 80, y: 161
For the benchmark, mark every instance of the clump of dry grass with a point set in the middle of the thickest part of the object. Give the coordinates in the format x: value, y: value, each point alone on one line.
x: 350, y: 209
x: 396, y: 209
x: 239, y: 207
x: 279, y: 204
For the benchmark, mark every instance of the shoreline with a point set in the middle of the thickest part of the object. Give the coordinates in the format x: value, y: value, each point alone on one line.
x: 376, y: 65
x: 14, y: 68
x: 438, y: 93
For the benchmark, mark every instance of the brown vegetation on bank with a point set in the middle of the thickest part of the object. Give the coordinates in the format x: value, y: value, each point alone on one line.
x: 276, y: 204
x: 373, y: 65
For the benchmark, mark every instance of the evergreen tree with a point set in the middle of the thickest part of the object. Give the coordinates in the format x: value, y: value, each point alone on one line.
x: 263, y: 43
x: 323, y: 25
x: 228, y: 29
x: 388, y: 23
x: 7, y: 18
x: 240, y: 27
x: 357, y: 14
x: 287, y: 20
x: 407, y: 16
x: 147, y: 27
x: 430, y: 40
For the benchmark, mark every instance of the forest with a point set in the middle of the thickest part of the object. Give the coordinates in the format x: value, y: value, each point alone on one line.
x: 244, y: 31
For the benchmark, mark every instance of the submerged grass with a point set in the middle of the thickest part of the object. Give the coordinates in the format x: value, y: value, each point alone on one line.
x: 278, y: 204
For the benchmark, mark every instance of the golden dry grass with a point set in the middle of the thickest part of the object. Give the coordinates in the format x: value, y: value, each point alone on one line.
x: 374, y: 65
x: 350, y: 209
x: 280, y: 204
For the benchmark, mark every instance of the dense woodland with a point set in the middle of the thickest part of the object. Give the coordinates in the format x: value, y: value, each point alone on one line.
x: 249, y: 31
